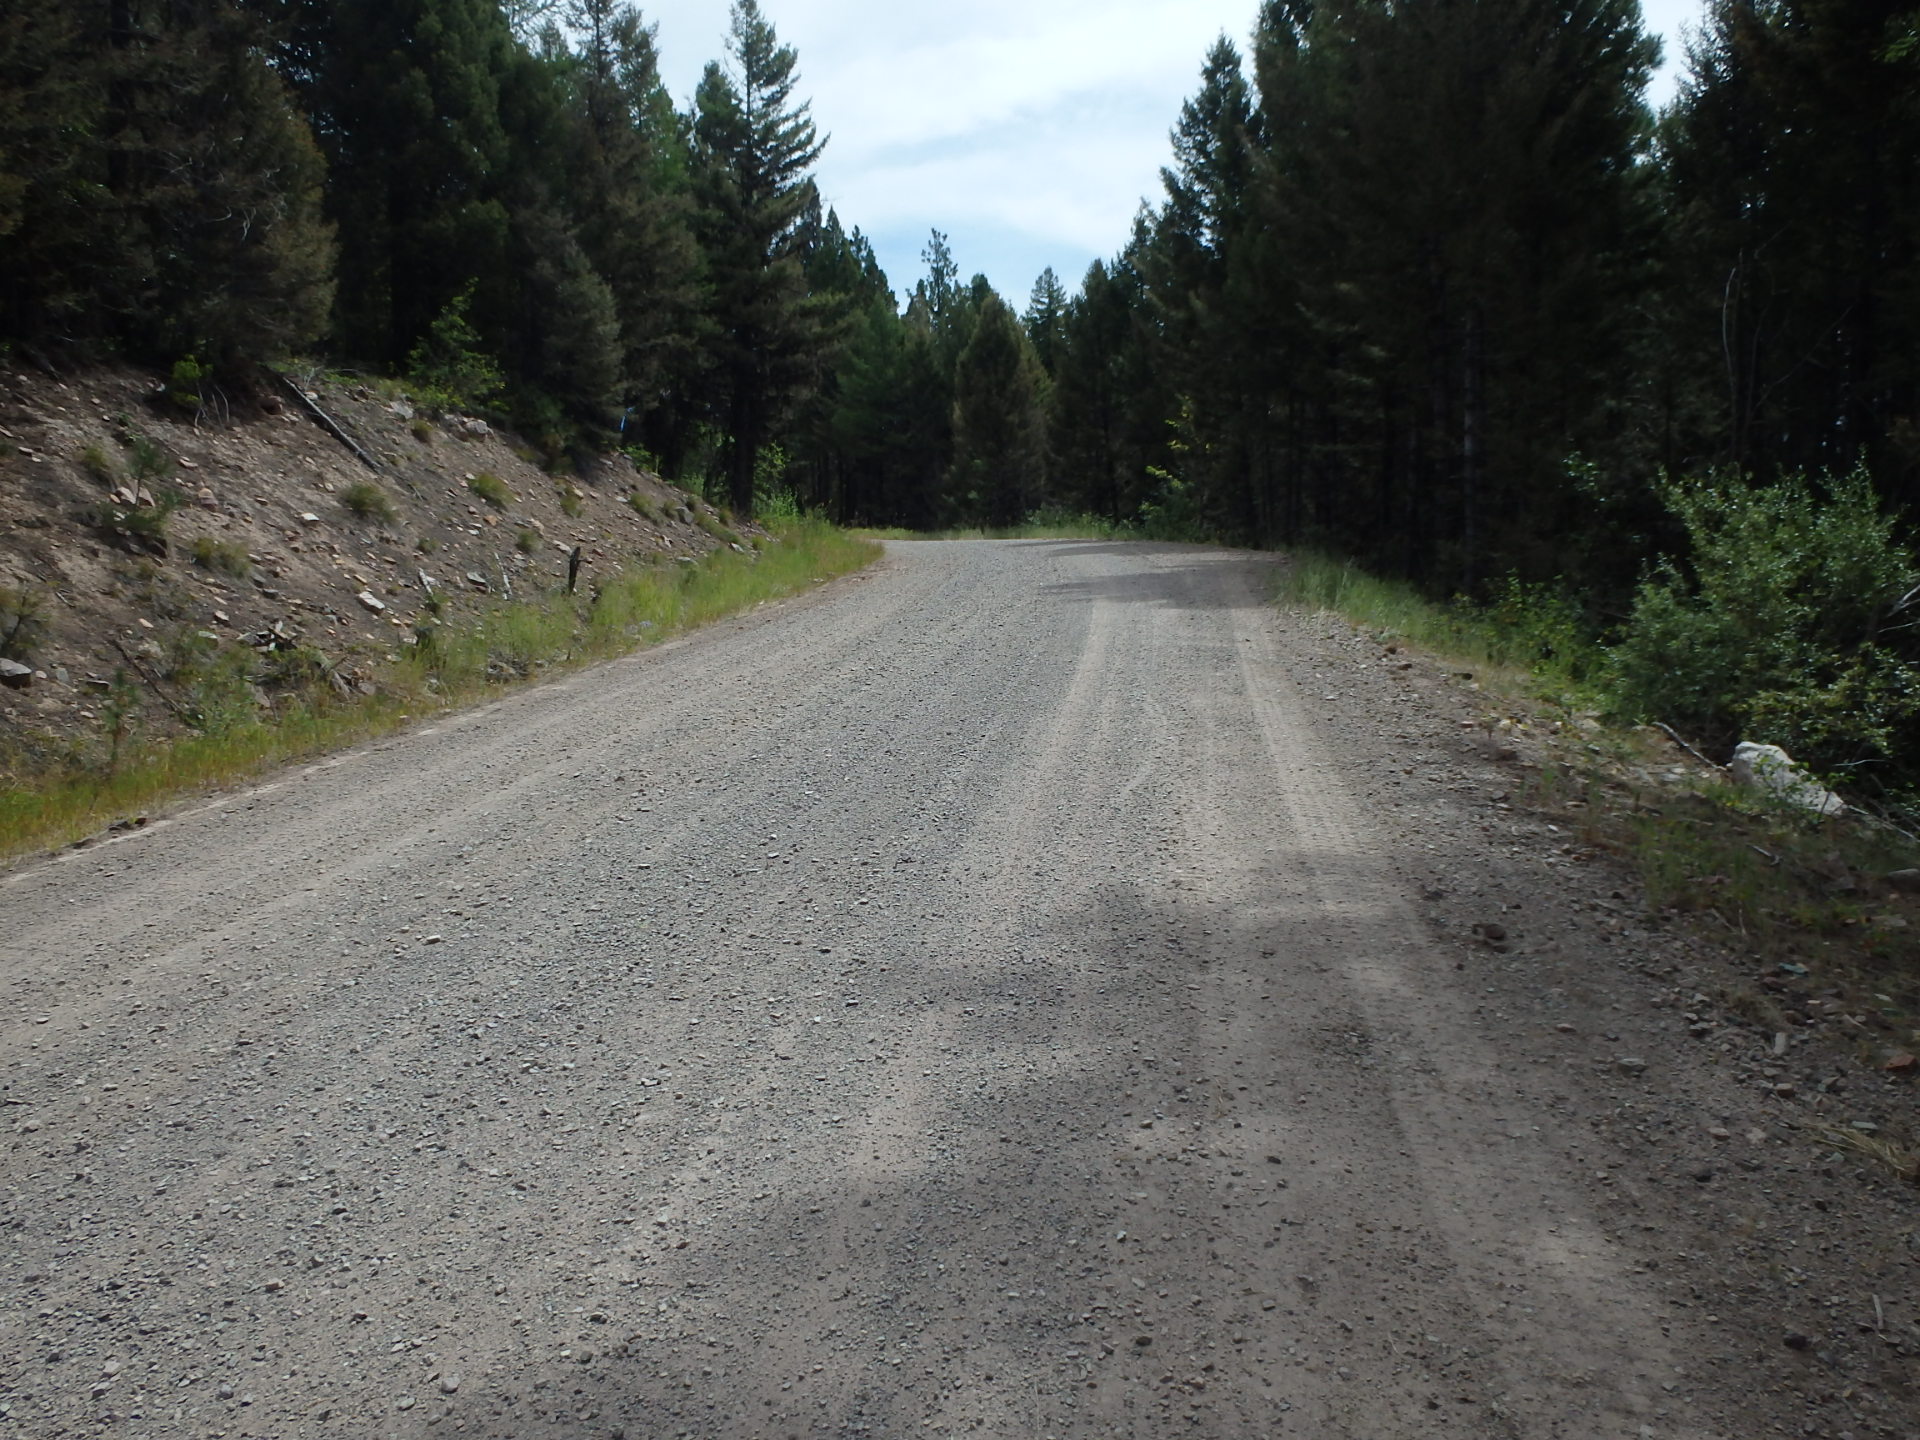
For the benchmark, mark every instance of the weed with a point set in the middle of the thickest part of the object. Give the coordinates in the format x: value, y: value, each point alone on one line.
x: 492, y: 489
x: 1532, y: 629
x: 97, y: 463
x: 367, y: 501
x: 714, y: 526
x: 1899, y: 1160
x: 117, y: 716
x: 223, y: 556
x: 643, y: 507
x: 422, y: 429
x: 527, y: 542
x: 570, y: 501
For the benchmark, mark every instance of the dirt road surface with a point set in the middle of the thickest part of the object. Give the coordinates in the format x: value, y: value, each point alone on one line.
x: 1026, y: 990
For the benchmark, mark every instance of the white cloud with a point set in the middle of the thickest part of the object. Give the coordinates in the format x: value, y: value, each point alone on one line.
x: 1028, y: 130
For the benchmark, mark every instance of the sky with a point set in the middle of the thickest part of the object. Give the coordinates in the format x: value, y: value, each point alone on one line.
x: 1028, y: 131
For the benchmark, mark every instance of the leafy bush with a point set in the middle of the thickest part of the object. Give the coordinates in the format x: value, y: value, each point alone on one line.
x: 777, y: 506
x: 224, y: 556
x: 570, y: 504
x: 186, y: 390
x: 448, y: 366
x: 1781, y: 624
x: 492, y: 489
x: 422, y: 429
x: 643, y: 507
x: 367, y: 501
x: 527, y: 541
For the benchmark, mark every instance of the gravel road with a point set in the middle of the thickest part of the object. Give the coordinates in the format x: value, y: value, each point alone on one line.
x: 989, y: 995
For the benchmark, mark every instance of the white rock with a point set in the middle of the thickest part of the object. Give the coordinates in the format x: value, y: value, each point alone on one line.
x: 367, y: 598
x: 1768, y: 767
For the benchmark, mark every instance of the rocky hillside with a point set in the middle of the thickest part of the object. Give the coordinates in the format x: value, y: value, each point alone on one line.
x: 140, y: 529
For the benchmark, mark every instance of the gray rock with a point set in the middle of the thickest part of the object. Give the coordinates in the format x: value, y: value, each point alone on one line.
x: 1769, y: 768
x: 14, y: 675
x: 367, y: 598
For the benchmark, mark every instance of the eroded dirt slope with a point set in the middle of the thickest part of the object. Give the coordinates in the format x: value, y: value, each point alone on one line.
x: 1029, y: 989
x: 283, y: 537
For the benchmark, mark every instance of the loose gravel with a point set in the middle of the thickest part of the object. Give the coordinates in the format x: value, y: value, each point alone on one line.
x: 1031, y: 989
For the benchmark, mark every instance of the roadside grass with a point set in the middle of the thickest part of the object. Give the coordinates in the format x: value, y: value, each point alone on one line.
x: 449, y: 665
x: 1528, y: 637
x: 1807, y: 901
x: 1042, y: 527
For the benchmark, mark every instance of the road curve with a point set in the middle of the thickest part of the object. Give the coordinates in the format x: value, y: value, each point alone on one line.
x: 968, y: 1000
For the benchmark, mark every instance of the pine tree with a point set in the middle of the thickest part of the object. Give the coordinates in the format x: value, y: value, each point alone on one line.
x: 999, y: 419
x: 628, y: 189
x: 1454, y: 194
x: 156, y: 186
x: 1792, y: 157
x: 408, y: 100
x: 1046, y: 318
x: 754, y: 148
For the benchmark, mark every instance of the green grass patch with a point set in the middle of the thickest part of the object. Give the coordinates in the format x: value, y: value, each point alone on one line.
x: 492, y: 489
x: 223, y: 556
x: 1526, y: 631
x: 367, y: 501
x: 450, y: 665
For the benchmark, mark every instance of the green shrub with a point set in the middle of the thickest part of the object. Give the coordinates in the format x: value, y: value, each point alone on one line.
x: 1783, y: 625
x: 143, y: 526
x: 492, y: 489
x: 222, y: 555
x: 186, y: 392
x: 422, y: 430
x: 21, y: 625
x: 643, y: 507
x: 367, y: 501
x: 777, y: 506
x: 527, y: 542
x: 448, y: 366
x: 570, y: 504
x: 149, y: 461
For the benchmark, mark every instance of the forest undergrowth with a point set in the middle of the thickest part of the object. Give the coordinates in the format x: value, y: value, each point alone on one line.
x: 1795, y: 892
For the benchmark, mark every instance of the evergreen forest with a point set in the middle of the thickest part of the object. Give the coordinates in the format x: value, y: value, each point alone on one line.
x: 1428, y: 284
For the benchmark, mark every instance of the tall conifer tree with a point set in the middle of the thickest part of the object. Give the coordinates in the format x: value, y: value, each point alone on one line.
x: 755, y: 146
